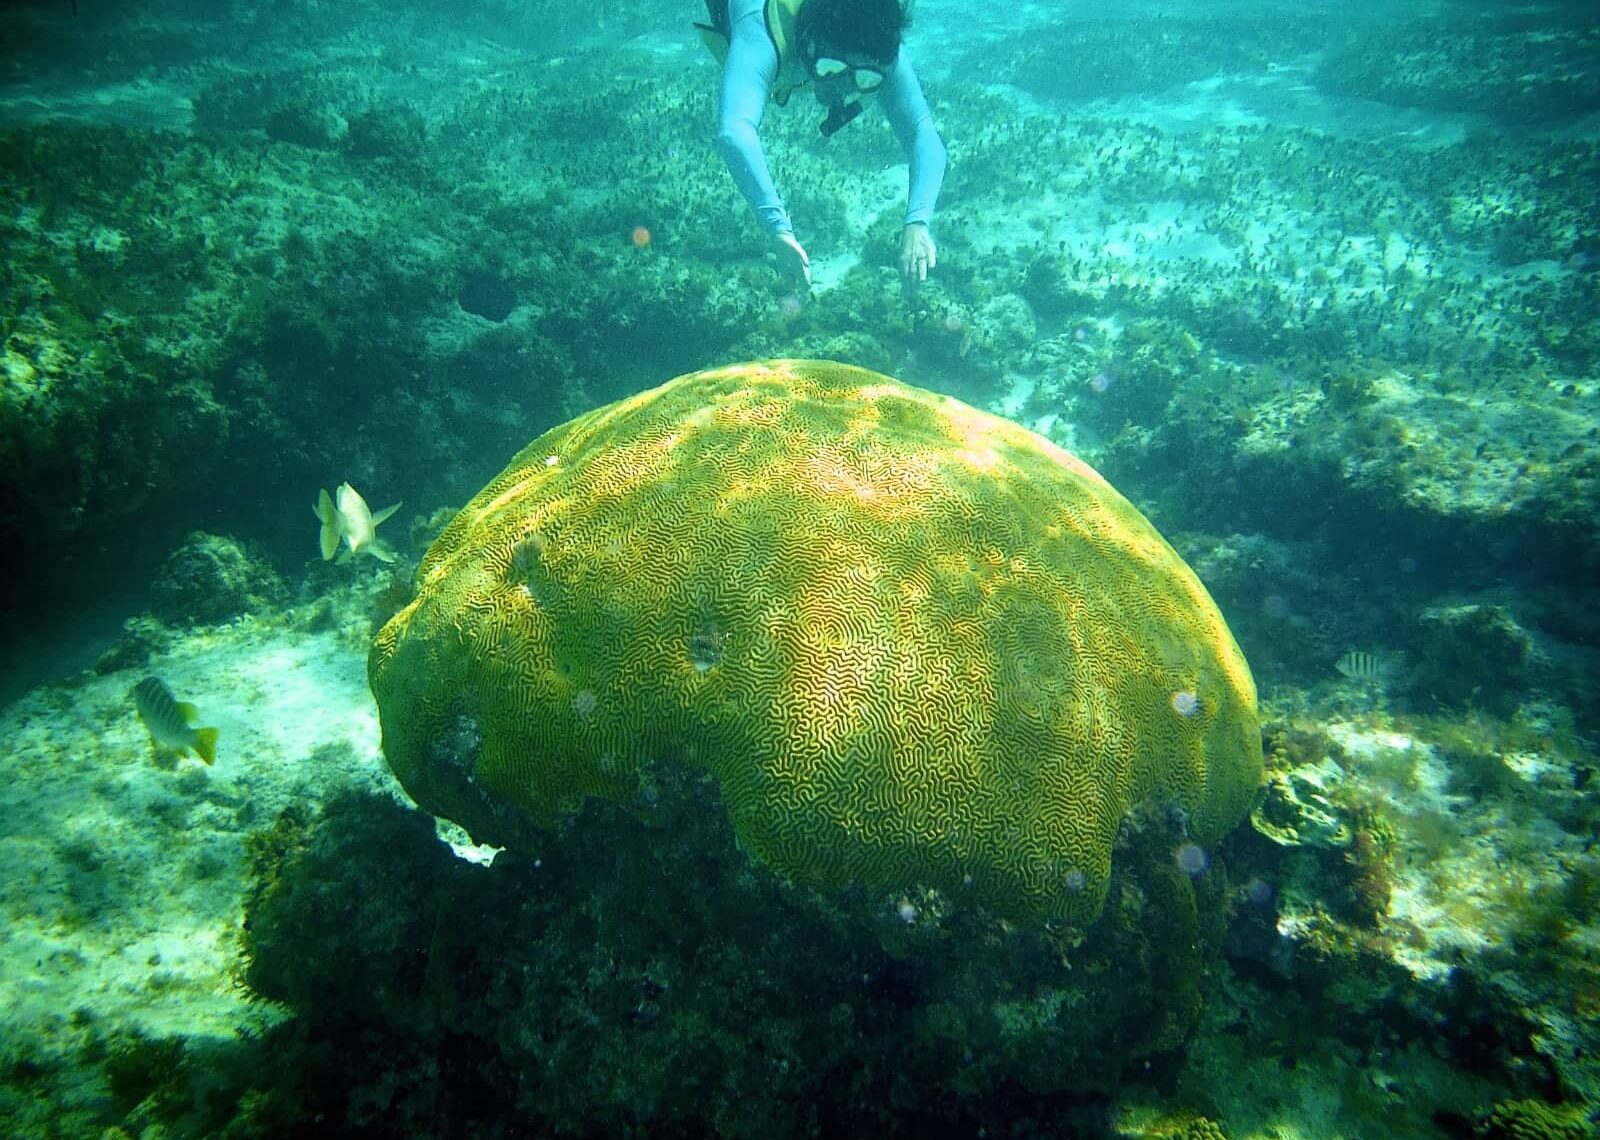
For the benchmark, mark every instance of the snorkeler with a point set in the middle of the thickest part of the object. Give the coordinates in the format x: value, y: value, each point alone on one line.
x: 842, y: 49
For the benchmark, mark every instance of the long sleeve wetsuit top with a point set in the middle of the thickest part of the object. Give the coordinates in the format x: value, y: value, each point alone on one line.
x: 748, y: 74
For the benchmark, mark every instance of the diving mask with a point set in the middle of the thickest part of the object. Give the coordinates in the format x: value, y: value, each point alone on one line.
x: 865, y: 77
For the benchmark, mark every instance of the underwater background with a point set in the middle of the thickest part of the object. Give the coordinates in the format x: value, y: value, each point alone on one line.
x: 1313, y: 285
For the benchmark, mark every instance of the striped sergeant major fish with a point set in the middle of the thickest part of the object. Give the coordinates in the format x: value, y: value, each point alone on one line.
x: 171, y: 721
x: 1359, y: 665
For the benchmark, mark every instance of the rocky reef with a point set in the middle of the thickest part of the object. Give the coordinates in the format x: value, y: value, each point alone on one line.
x: 1321, y: 297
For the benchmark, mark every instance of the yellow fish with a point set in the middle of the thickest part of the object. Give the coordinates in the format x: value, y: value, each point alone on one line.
x: 171, y: 721
x: 345, y: 515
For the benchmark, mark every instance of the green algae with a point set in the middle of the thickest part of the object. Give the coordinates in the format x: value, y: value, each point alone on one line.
x: 1409, y: 430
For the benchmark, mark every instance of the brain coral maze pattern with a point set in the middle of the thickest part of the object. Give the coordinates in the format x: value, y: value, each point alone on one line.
x: 916, y: 644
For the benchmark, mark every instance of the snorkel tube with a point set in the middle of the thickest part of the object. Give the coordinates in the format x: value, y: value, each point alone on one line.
x: 840, y: 116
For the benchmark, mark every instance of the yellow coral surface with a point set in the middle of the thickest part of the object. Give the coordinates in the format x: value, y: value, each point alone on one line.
x: 915, y: 643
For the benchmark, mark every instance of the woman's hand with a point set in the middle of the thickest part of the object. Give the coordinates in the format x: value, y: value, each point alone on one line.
x: 793, y: 262
x: 917, y: 254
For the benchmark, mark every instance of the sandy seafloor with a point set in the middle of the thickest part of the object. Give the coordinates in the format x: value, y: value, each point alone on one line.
x: 122, y: 872
x: 123, y: 861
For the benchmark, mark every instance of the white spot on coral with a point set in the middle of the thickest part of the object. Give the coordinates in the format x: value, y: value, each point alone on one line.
x: 1192, y: 859
x: 705, y: 649
x: 1185, y: 703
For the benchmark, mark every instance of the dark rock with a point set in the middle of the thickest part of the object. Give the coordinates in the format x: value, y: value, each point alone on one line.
x: 212, y: 578
x: 487, y: 294
x: 140, y: 639
x: 305, y: 124
x: 1473, y: 656
x: 385, y: 132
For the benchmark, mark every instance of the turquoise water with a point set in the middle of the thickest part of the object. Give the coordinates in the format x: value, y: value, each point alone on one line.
x: 1314, y: 287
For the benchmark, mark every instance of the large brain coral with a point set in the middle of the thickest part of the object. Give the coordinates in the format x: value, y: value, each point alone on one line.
x: 916, y: 644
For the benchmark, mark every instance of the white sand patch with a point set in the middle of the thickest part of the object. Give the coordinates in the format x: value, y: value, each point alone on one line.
x: 122, y: 872
x: 142, y: 104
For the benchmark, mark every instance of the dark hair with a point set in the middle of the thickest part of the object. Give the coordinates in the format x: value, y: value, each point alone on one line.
x: 872, y: 28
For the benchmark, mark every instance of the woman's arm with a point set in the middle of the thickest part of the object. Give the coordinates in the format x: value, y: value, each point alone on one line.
x: 907, y: 108
x: 747, y: 78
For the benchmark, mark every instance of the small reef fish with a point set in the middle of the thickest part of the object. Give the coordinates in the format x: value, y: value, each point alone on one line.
x: 345, y: 515
x: 171, y: 721
x: 1361, y: 666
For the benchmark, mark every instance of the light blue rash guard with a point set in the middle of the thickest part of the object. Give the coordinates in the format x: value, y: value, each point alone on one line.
x: 747, y: 78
